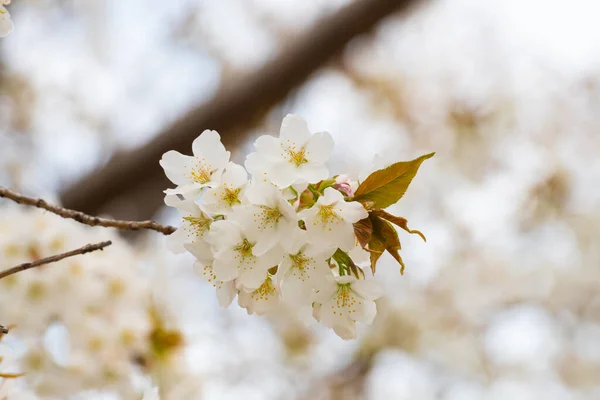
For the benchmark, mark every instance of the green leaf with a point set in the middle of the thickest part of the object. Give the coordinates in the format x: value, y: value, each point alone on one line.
x: 386, y: 186
x: 399, y: 221
x: 363, y: 230
x: 384, y: 238
x: 346, y: 262
x: 321, y: 186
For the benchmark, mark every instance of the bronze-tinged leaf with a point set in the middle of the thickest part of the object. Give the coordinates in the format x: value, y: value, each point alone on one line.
x: 386, y: 186
x: 374, y: 256
x: 384, y: 238
x: 399, y: 221
x: 386, y: 232
x: 363, y: 230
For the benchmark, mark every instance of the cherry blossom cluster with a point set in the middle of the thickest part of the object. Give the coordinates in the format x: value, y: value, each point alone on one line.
x: 94, y: 309
x: 279, y: 230
x: 6, y: 24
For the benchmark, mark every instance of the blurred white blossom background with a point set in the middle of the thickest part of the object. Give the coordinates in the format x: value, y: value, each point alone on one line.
x: 503, y: 301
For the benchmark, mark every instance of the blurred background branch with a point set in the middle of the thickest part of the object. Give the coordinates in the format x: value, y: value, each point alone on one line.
x: 133, y: 181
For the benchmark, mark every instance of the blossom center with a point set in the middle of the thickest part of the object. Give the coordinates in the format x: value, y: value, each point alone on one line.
x: 296, y: 156
x: 264, y: 291
x: 299, y: 261
x: 231, y: 195
x: 201, y: 172
x: 244, y: 250
x: 327, y: 215
x: 345, y: 301
x: 198, y: 225
x: 267, y: 217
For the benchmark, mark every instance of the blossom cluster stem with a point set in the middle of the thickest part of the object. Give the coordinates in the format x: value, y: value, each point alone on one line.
x: 82, y: 250
x: 84, y: 218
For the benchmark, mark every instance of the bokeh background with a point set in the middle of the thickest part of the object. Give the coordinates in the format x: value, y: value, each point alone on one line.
x: 502, y: 302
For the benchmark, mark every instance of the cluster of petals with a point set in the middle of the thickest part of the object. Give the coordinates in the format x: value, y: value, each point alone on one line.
x: 6, y: 24
x: 93, y: 341
x: 254, y: 235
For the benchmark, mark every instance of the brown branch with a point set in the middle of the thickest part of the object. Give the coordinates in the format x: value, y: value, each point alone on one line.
x: 135, y: 178
x: 84, y: 218
x: 82, y: 250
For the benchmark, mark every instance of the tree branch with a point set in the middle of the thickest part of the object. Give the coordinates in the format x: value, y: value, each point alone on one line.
x: 127, y: 175
x: 84, y: 218
x: 82, y: 250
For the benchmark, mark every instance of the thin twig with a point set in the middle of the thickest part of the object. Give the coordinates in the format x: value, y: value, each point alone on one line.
x: 84, y: 218
x: 82, y: 250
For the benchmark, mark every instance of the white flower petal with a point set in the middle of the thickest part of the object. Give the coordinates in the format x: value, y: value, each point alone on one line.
x: 208, y: 147
x: 252, y: 277
x: 330, y: 196
x: 282, y: 173
x: 176, y: 166
x: 185, y: 207
x: 201, y: 250
x: 353, y: 211
x: 367, y: 289
x: 267, y: 240
x: 294, y: 129
x: 225, y: 268
x: 313, y: 173
x: 319, y: 147
x: 342, y: 235
x: 224, y: 234
x: 235, y: 175
x: 6, y: 24
x: 346, y: 331
x: 189, y: 191
x: 176, y: 240
x: 366, y: 312
x: 261, y: 300
x: 267, y: 145
x: 263, y: 193
x: 226, y: 292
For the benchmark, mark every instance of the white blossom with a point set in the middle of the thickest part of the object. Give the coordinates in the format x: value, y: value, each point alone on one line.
x: 261, y: 300
x: 303, y: 266
x: 329, y: 221
x: 228, y: 194
x: 6, y: 24
x: 295, y: 155
x: 269, y: 219
x: 204, y: 168
x: 99, y: 302
x: 195, y: 223
x: 225, y: 291
x: 344, y: 301
x: 234, y: 257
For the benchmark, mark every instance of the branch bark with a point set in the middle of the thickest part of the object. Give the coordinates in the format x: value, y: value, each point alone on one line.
x: 84, y: 218
x: 82, y: 250
x: 234, y: 108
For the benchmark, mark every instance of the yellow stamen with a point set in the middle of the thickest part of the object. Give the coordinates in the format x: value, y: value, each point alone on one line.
x: 201, y: 172
x: 293, y: 154
x: 264, y: 291
x: 231, y: 196
x: 198, y: 225
x: 244, y: 250
x: 327, y: 216
x: 267, y: 218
